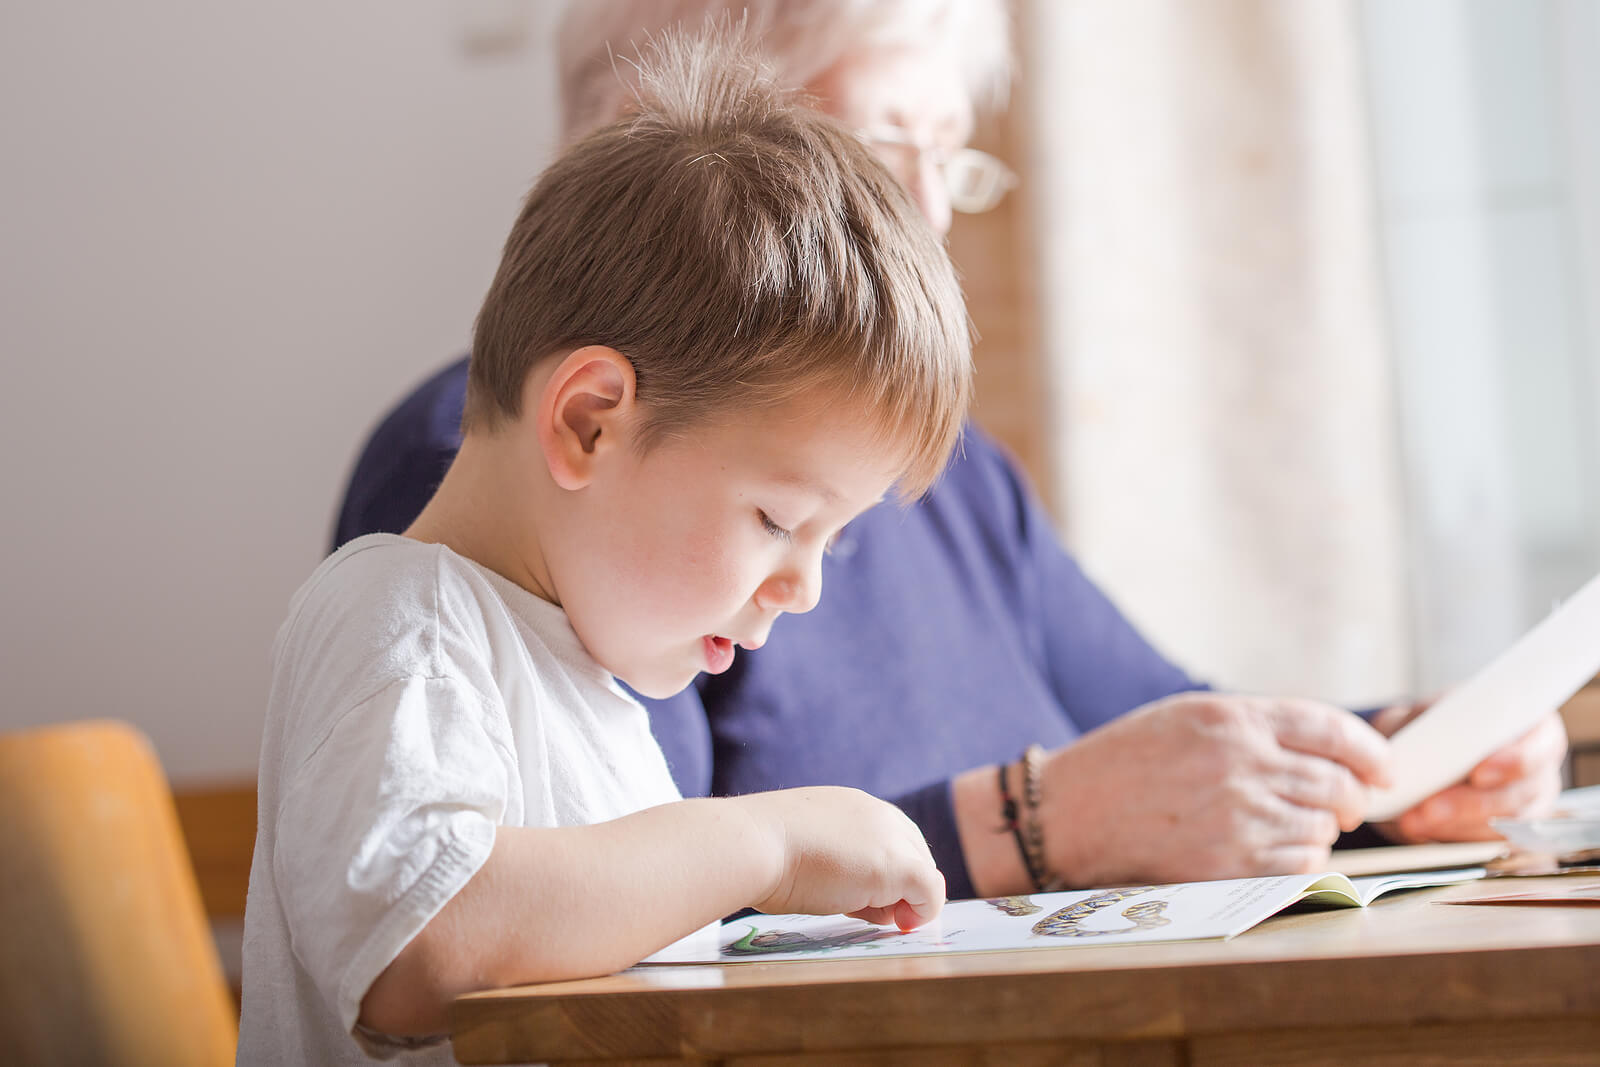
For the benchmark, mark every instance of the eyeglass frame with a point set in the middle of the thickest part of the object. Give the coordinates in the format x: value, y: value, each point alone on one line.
x: 999, y: 179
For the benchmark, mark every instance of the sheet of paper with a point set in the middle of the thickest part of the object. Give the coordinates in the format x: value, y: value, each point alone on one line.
x: 1581, y: 895
x: 1499, y: 703
x: 1389, y: 859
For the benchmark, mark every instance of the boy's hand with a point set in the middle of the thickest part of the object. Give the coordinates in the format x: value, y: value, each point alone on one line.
x: 844, y: 851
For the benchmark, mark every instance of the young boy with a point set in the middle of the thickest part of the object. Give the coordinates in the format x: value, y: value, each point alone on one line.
x: 719, y: 332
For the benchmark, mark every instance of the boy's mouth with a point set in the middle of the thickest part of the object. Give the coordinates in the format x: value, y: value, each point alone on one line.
x: 719, y: 653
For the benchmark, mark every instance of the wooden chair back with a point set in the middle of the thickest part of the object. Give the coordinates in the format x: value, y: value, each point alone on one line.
x: 106, y: 956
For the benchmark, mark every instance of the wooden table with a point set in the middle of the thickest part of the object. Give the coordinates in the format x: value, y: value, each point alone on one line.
x: 1405, y: 981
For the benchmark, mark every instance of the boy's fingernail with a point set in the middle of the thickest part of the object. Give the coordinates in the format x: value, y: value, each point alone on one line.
x: 1440, y: 810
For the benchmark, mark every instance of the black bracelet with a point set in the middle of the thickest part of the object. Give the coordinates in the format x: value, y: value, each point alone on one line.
x: 1008, y: 810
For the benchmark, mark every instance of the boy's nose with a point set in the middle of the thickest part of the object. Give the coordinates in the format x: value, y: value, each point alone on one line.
x: 793, y: 590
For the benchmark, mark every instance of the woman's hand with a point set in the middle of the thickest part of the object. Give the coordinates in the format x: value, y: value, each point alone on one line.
x: 1519, y: 780
x: 1197, y: 786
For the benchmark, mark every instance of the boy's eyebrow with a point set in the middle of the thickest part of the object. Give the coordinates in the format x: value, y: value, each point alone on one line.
x: 807, y: 485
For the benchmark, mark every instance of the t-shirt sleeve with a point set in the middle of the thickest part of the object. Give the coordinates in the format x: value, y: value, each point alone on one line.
x: 387, y: 819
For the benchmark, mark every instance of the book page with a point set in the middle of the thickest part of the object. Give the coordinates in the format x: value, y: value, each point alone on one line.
x: 1338, y: 890
x: 1495, y: 706
x: 1190, y: 911
x: 1370, y: 889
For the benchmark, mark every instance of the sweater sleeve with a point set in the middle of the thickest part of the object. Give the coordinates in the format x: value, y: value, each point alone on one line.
x: 1099, y: 666
x: 933, y: 810
x: 1096, y: 663
x: 404, y: 459
x: 683, y: 731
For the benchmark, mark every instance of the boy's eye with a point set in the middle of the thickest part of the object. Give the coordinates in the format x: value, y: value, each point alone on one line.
x: 773, y: 528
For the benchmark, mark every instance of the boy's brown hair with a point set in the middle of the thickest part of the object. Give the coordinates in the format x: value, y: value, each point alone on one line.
x: 742, y: 250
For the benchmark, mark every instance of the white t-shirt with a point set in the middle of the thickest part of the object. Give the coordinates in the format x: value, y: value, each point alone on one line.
x: 418, y: 701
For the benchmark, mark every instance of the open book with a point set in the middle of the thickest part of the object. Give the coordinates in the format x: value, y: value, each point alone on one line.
x: 1189, y: 911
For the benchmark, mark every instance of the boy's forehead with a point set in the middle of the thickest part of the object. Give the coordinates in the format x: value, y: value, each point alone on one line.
x: 834, y: 452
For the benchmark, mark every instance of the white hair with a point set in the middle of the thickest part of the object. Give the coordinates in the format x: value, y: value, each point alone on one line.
x: 801, y: 38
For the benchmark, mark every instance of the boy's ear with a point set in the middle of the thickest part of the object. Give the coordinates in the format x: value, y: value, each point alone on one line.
x: 585, y: 410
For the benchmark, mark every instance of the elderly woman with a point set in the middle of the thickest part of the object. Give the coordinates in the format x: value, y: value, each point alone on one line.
x: 959, y: 633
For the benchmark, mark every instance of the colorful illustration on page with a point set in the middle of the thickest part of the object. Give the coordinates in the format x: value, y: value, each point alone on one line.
x: 1068, y: 922
x: 1016, y: 907
x: 760, y: 944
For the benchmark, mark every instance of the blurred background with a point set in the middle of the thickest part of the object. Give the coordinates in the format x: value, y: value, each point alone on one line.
x: 1294, y: 320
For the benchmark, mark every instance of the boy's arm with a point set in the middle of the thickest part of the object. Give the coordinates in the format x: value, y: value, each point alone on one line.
x: 572, y: 902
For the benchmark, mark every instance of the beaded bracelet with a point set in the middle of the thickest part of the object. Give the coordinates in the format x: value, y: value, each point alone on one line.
x: 1038, y: 868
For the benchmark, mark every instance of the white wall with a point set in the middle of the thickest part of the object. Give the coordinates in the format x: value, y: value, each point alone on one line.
x: 230, y: 236
x: 1484, y: 120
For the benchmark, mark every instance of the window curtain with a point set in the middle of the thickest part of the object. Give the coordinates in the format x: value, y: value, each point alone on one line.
x: 1220, y: 432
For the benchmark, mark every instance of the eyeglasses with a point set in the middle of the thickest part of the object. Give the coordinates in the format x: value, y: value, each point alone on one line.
x: 976, y: 181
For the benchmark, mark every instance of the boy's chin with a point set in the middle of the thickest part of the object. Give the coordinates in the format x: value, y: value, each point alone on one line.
x: 657, y: 686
